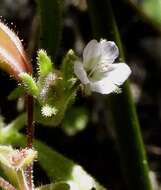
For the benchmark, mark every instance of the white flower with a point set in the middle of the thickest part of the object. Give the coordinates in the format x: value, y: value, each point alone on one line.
x: 97, y: 70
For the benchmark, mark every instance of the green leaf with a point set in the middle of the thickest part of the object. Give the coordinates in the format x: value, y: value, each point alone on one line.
x: 2, y: 123
x: 54, y: 113
x: 45, y: 65
x: 17, y: 123
x: 16, y: 93
x: 29, y: 84
x: 153, y: 9
x: 56, y: 105
x: 75, y: 120
x: 149, y: 10
x: 54, y: 186
x: 64, y: 169
x: 51, y: 12
x: 68, y: 64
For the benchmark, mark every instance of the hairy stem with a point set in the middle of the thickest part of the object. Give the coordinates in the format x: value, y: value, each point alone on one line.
x: 30, y: 136
x: 6, y: 185
x: 30, y: 122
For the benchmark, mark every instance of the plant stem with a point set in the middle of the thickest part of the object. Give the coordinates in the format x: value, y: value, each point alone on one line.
x: 30, y: 124
x: 30, y: 136
x: 50, y: 12
x: 6, y: 185
x: 133, y: 157
x: 22, y: 180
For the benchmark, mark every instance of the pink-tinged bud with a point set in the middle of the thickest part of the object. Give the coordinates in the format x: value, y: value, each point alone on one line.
x: 13, y: 58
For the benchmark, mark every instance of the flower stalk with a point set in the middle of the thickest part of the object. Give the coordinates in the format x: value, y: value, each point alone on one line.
x: 30, y: 137
x: 6, y: 185
x: 133, y: 157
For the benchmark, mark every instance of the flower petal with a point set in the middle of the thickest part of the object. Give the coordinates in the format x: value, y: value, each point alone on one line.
x: 103, y: 86
x: 118, y: 73
x: 91, y: 52
x: 9, y: 64
x: 109, y: 51
x: 11, y: 43
x: 80, y: 72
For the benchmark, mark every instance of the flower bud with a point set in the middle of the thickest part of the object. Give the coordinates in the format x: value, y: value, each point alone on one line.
x: 13, y: 58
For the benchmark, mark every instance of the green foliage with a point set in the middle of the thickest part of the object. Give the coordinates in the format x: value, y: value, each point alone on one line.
x: 152, y: 9
x: 57, y: 107
x: 67, y: 65
x: 45, y: 65
x: 53, y: 90
x: 51, y: 24
x: 64, y: 169
x: 16, y: 93
x: 149, y: 11
x: 54, y: 186
x: 29, y: 84
x: 57, y: 89
x: 75, y: 120
x: 57, y: 167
